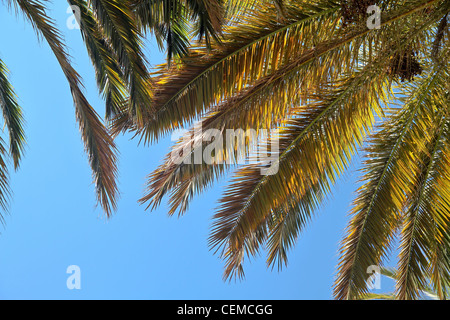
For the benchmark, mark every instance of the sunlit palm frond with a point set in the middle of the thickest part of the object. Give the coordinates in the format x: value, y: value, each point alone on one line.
x: 262, y: 105
x: 424, y: 234
x: 379, y: 204
x: 252, y: 49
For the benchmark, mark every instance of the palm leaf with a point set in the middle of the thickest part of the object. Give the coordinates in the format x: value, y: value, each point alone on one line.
x: 120, y: 27
x: 99, y: 145
x: 426, y: 212
x: 378, y: 206
x: 110, y: 78
x: 12, y: 114
x: 254, y: 49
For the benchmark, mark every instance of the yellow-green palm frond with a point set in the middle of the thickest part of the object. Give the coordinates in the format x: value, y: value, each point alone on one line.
x: 13, y: 117
x: 260, y: 105
x: 393, y: 157
x: 98, y: 143
x: 424, y: 234
x: 418, y: 232
x: 280, y: 72
x: 254, y: 48
x: 248, y: 202
x: 315, y: 148
x: 235, y: 8
x: 378, y: 296
x: 174, y: 22
x: 263, y: 105
x: 288, y: 221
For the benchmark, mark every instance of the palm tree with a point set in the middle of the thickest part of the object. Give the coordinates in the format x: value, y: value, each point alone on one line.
x: 332, y: 87
x: 113, y: 31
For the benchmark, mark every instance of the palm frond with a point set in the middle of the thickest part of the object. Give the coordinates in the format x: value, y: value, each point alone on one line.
x: 253, y: 49
x: 168, y: 20
x: 98, y: 143
x: 5, y: 191
x: 105, y: 61
x: 12, y: 114
x: 120, y: 27
x: 315, y: 148
x: 426, y: 221
x: 378, y: 296
x: 378, y: 206
x: 209, y: 15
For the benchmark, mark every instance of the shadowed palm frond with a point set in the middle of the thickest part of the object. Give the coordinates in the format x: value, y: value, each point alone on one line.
x: 5, y: 191
x: 119, y: 24
x: 13, y: 117
x: 424, y: 239
x: 98, y: 143
x: 173, y: 22
x: 110, y: 78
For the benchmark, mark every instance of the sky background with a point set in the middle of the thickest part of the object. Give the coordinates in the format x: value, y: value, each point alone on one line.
x: 53, y: 222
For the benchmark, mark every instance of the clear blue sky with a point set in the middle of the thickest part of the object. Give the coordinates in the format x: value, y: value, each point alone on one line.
x: 53, y: 222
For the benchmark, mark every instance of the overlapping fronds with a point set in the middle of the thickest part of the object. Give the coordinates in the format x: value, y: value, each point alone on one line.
x: 5, y: 191
x: 424, y: 234
x: 262, y: 105
x: 174, y: 22
x: 308, y: 69
x: 315, y: 148
x: 236, y: 8
x: 120, y: 26
x: 253, y: 48
x: 294, y: 66
x: 109, y: 75
x: 317, y: 134
x: 98, y: 143
x: 394, y: 158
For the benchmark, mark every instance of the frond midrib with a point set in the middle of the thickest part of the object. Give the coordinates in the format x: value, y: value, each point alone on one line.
x: 175, y: 96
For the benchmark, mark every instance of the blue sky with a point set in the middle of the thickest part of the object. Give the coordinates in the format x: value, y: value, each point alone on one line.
x: 53, y: 222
